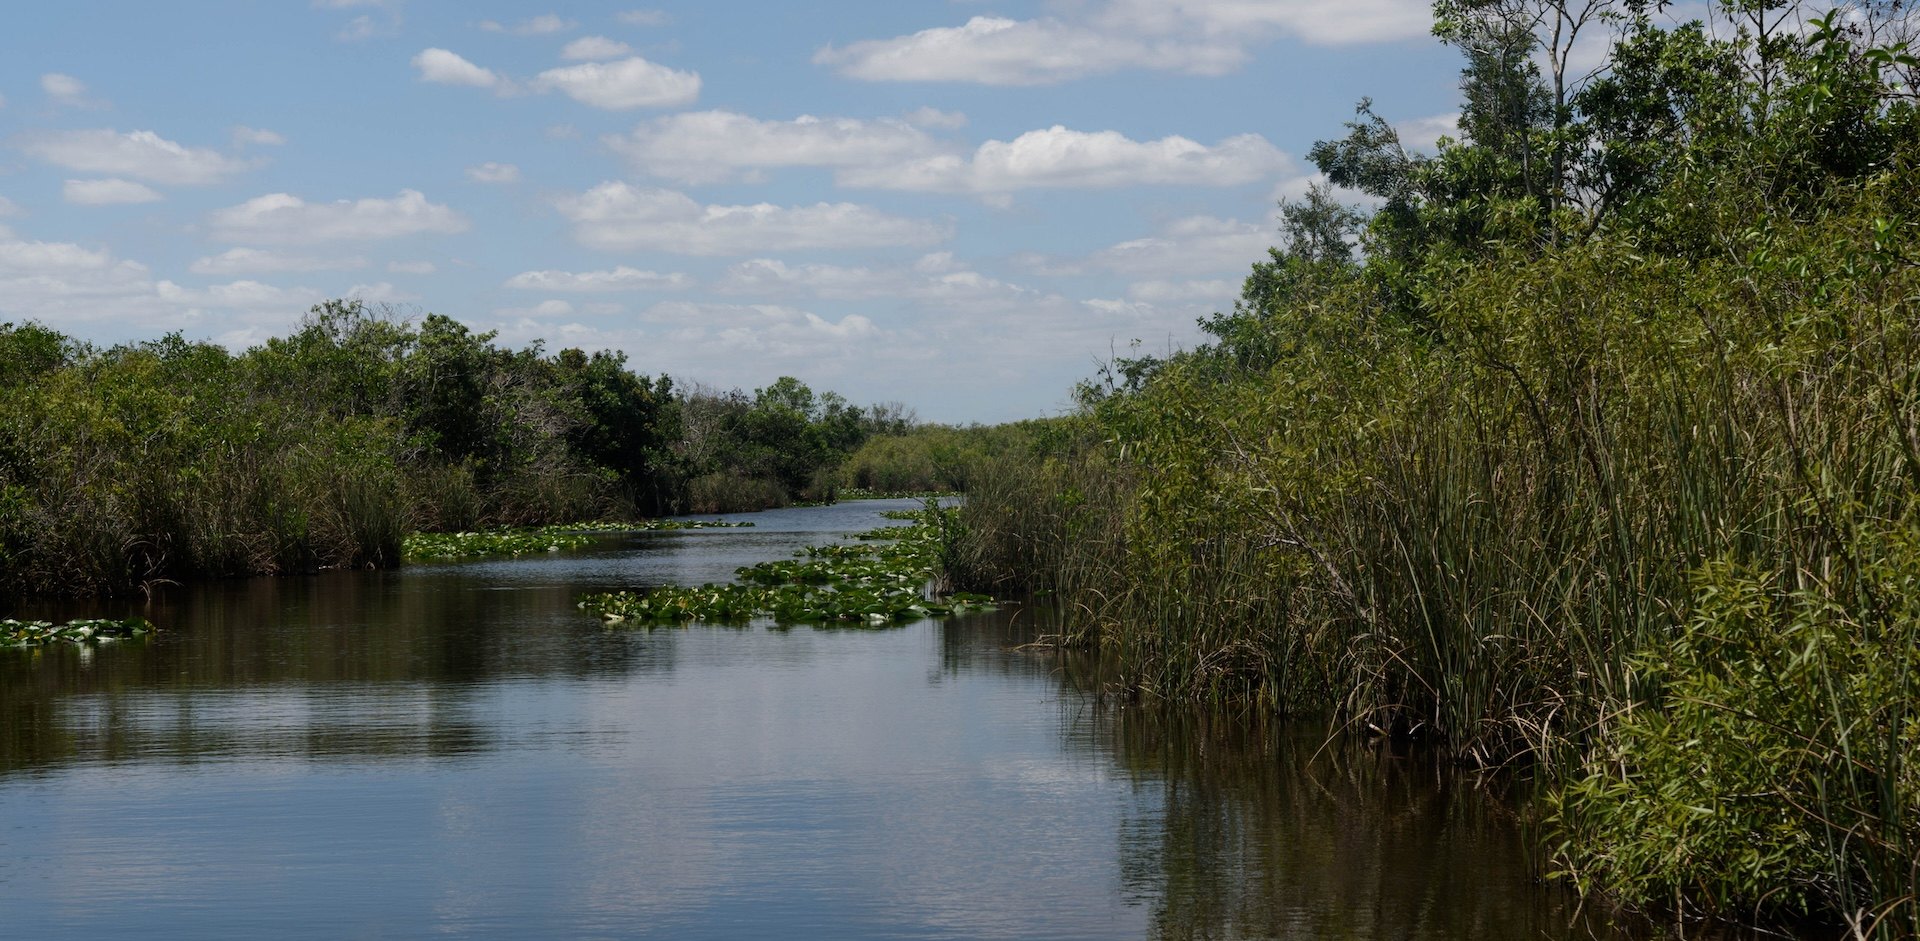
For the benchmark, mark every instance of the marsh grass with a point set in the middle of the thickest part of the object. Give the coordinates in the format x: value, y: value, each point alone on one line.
x: 1641, y: 525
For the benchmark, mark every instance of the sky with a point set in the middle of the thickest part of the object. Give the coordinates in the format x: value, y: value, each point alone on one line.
x: 962, y: 206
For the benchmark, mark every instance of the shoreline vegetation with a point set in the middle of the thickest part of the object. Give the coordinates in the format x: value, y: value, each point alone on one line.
x: 1590, y: 451
x: 131, y: 467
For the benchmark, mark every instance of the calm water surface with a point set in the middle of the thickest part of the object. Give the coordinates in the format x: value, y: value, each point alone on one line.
x: 457, y: 751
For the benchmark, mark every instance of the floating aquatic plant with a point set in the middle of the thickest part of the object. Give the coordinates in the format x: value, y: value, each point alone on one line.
x: 88, y: 630
x: 846, y: 583
x: 440, y: 547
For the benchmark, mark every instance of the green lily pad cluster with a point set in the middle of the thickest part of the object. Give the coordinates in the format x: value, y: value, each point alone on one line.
x: 441, y: 547
x: 90, y: 630
x: 868, y: 584
x: 859, y: 493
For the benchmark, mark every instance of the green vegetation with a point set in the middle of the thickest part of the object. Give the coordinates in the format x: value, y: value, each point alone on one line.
x: 95, y: 630
x: 126, y: 468
x: 936, y: 459
x: 425, y: 547
x: 782, y: 445
x: 845, y: 584
x: 1600, y: 458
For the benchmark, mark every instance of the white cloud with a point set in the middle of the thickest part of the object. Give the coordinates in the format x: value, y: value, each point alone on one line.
x: 283, y: 218
x: 619, y: 279
x: 107, y: 192
x: 936, y: 118
x: 61, y: 282
x: 63, y: 88
x: 1202, y: 37
x: 1195, y: 245
x: 1186, y: 249
x: 238, y: 295
x: 411, y: 267
x: 622, y: 85
x: 712, y: 146
x: 18, y: 257
x: 762, y: 328
x: 1425, y: 133
x: 237, y: 261
x: 443, y: 67
x: 594, y: 48
x: 245, y: 136
x: 1058, y: 157
x: 935, y: 279
x: 644, y: 17
x: 619, y: 217
x: 1315, y: 21
x: 997, y: 51
x: 494, y: 173
x: 142, y: 155
x: 380, y: 293
x: 10, y: 208
x: 542, y: 25
x: 1183, y: 292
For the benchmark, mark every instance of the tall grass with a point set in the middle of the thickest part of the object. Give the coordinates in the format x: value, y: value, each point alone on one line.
x: 1513, y: 529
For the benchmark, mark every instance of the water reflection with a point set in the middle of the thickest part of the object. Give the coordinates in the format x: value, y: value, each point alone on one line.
x: 457, y: 750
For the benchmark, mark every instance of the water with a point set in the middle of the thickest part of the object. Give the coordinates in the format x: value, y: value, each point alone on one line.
x: 457, y: 751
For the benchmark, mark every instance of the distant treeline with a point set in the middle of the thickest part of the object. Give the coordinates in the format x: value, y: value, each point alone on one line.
x: 1590, y: 446
x: 125, y: 467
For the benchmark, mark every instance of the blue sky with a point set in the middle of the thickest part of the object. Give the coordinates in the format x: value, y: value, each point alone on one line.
x: 955, y: 204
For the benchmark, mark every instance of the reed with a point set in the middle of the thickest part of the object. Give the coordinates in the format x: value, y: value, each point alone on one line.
x: 1537, y: 530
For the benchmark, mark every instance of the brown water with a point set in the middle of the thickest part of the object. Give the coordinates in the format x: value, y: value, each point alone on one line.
x: 457, y: 751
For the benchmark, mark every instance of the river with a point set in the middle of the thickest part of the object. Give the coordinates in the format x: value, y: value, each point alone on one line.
x: 457, y: 751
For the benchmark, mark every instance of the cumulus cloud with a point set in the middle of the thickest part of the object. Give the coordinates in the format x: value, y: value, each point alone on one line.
x: 617, y: 280
x: 1191, y: 246
x: 711, y: 146
x: 542, y: 25
x: 1202, y: 37
x: 238, y: 261
x: 1059, y: 157
x: 443, y: 67
x: 494, y: 173
x: 593, y: 48
x: 61, y: 282
x: 142, y: 155
x: 619, y: 85
x: 1315, y: 21
x: 620, y: 217
x: 993, y: 50
x: 1176, y: 293
x: 622, y: 85
x: 107, y: 193
x: 284, y: 218
x: 1185, y: 249
x: 1425, y: 133
x: 935, y: 279
x: 64, y: 89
